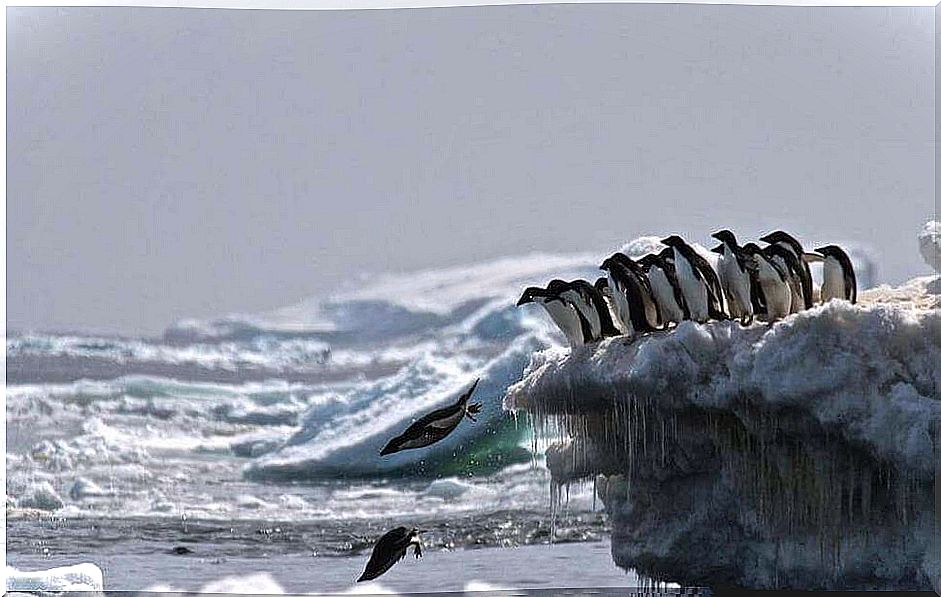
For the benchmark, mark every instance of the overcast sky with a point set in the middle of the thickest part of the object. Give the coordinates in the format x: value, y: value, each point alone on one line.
x: 169, y: 163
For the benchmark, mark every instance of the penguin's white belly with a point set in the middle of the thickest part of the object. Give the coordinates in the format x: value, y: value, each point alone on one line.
x: 663, y: 294
x: 777, y: 292
x: 833, y: 287
x: 694, y: 289
x: 737, y: 286
x: 587, y: 310
x: 623, y: 310
x: 794, y: 284
x: 566, y: 319
x: 611, y: 300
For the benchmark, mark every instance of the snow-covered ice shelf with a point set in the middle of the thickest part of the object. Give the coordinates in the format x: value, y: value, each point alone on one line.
x: 798, y: 455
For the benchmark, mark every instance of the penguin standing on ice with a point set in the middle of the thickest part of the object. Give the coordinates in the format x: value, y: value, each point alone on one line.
x: 698, y: 280
x: 636, y: 273
x: 628, y: 290
x: 734, y: 276
x: 434, y: 426
x: 590, y: 305
x: 595, y: 309
x: 785, y: 240
x: 563, y: 314
x: 604, y: 287
x: 771, y: 282
x: 792, y: 268
x: 839, y: 278
x: 665, y: 286
x: 389, y: 549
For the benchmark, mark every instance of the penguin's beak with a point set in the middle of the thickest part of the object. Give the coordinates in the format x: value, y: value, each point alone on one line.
x: 716, y: 249
x: 765, y: 238
x: 812, y: 257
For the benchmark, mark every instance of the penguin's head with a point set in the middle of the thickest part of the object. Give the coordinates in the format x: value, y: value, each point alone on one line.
x: 666, y: 253
x: 556, y: 287
x: 725, y: 236
x: 647, y: 260
x: 780, y: 236
x: 530, y: 294
x: 720, y: 249
x: 673, y: 241
x: 830, y: 251
x: 601, y: 284
x: 607, y: 264
x: 751, y: 252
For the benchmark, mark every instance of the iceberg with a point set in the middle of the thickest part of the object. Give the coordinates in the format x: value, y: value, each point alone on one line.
x: 797, y: 455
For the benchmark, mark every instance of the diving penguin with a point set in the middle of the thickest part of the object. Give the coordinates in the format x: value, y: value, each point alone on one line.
x: 779, y: 237
x: 698, y: 280
x: 839, y: 278
x: 734, y: 276
x: 435, y: 426
x: 389, y: 549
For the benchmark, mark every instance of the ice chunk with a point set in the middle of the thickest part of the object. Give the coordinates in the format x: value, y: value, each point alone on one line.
x: 80, y: 577
x: 929, y: 241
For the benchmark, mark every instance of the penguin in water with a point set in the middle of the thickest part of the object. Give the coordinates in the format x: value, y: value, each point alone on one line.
x: 591, y: 304
x: 665, y: 286
x: 389, y: 549
x: 793, y: 269
x: 779, y: 237
x: 771, y: 282
x: 698, y: 280
x: 435, y: 426
x: 839, y: 278
x: 602, y: 285
x: 629, y: 290
x: 563, y: 314
x: 734, y: 276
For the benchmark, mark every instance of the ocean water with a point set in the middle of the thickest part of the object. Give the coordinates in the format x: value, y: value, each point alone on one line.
x: 254, y: 439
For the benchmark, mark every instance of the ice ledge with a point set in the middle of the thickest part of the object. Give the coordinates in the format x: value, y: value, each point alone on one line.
x: 798, y: 455
x: 868, y: 372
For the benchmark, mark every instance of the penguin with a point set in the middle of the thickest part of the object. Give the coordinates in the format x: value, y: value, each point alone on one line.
x: 628, y: 290
x: 698, y: 280
x: 793, y: 268
x: 839, y: 278
x: 562, y: 313
x: 651, y: 309
x: 389, y: 549
x: 434, y: 426
x: 779, y: 237
x: 772, y: 283
x: 665, y: 287
x: 602, y: 285
x: 734, y: 276
x: 590, y: 305
x: 597, y: 310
